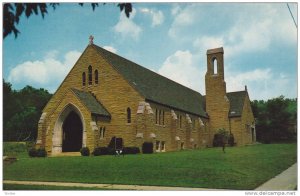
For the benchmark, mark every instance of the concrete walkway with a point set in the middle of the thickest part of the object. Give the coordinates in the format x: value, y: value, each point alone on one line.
x: 287, y: 180
x: 108, y: 186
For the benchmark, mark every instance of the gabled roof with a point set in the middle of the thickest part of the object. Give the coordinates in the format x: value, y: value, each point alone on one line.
x: 236, y: 100
x: 94, y: 106
x: 155, y: 87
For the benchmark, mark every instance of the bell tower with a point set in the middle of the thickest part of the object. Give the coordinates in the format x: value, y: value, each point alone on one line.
x: 217, y: 103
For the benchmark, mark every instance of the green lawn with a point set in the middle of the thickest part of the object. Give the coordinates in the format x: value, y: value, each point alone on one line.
x: 42, y: 187
x: 15, y: 149
x: 239, y: 168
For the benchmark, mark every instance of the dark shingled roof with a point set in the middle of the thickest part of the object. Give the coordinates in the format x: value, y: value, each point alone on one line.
x: 155, y: 87
x: 236, y: 100
x: 94, y: 106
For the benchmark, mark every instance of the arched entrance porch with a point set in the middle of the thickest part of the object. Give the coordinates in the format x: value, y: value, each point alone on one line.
x: 69, y: 133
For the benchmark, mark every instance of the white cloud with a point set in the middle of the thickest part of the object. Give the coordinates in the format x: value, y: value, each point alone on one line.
x: 183, y: 18
x: 110, y: 48
x: 182, y: 68
x: 175, y: 9
x: 256, y: 37
x: 47, y: 73
x: 207, y: 42
x: 241, y: 28
x: 237, y: 81
x: 70, y: 58
x: 156, y: 16
x: 127, y: 27
x: 51, y: 54
x: 261, y: 83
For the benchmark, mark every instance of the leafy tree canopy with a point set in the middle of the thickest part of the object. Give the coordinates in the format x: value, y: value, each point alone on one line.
x: 21, y: 112
x: 276, y: 119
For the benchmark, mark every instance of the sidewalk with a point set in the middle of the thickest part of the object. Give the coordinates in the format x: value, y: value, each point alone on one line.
x: 287, y: 180
x: 109, y: 186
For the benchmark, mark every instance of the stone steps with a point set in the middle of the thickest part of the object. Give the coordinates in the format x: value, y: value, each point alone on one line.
x: 65, y: 154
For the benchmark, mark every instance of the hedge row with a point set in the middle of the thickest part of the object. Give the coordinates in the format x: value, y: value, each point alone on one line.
x: 108, y: 151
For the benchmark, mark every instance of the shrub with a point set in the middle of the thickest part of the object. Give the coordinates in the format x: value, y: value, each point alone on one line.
x: 97, y: 151
x: 231, y: 140
x: 101, y: 151
x: 41, y: 152
x: 30, y: 144
x: 85, y: 151
x: 220, y: 138
x: 111, y: 151
x: 131, y: 150
x: 32, y: 152
x: 147, y: 148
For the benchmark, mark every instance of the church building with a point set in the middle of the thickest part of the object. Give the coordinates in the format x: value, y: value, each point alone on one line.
x: 106, y: 96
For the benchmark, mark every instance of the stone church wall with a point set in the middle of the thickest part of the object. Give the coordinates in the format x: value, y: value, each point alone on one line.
x: 241, y: 127
x: 179, y: 130
x: 248, y: 122
x: 113, y: 91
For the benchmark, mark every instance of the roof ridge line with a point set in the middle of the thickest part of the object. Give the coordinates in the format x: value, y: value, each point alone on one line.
x: 148, y: 69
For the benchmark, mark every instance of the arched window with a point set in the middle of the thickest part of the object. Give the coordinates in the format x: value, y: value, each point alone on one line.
x: 96, y: 76
x: 90, y: 75
x: 128, y: 115
x: 180, y: 122
x: 159, y: 118
x: 83, y: 79
x: 156, y: 116
x: 215, y: 65
x: 102, y: 132
x: 182, y: 146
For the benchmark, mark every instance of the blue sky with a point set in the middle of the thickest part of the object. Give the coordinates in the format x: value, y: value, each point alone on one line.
x: 259, y: 41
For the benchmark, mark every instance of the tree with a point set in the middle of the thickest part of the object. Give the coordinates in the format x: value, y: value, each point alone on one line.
x: 275, y: 119
x: 21, y: 112
x: 259, y: 109
x: 279, y: 117
x: 13, y: 11
x: 10, y: 106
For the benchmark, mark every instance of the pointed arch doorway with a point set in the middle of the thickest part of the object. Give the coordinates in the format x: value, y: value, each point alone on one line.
x: 72, y: 133
x: 69, y: 134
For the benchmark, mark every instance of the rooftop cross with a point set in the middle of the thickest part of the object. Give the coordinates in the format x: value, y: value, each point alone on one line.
x: 91, y: 38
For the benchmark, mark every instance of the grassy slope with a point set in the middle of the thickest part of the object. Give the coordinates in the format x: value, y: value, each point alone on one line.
x: 239, y: 168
